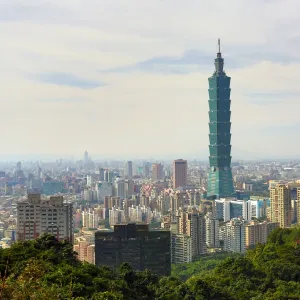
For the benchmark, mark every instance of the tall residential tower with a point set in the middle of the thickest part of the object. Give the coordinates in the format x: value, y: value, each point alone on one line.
x: 220, y: 183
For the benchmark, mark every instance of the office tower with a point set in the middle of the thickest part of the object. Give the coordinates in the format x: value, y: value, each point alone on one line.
x: 36, y: 217
x: 281, y: 207
x: 119, y: 188
x: 212, y: 231
x: 106, y: 172
x: 110, y: 176
x: 220, y: 182
x: 136, y: 245
x: 228, y: 208
x: 179, y: 173
x: 235, y: 236
x: 129, y: 188
x: 101, y: 174
x: 193, y: 224
x: 128, y: 169
x: 156, y: 172
x: 181, y: 249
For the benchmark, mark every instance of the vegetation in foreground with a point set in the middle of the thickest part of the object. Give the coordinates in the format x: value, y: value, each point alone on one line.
x: 48, y: 269
x: 201, y: 266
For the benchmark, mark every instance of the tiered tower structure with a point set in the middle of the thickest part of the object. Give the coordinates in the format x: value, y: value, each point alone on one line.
x: 220, y: 183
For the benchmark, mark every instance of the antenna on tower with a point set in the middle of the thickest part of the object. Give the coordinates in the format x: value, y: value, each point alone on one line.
x: 219, y: 44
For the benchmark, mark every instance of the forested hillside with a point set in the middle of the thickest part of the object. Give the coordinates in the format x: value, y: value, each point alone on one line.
x: 48, y: 269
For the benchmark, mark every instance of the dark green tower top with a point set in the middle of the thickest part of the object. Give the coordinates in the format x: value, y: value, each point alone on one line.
x: 220, y: 183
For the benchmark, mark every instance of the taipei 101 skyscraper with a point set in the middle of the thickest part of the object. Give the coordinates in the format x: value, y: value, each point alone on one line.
x: 220, y: 183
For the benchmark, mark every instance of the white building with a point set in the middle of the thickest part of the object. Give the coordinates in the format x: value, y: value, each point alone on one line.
x: 116, y: 216
x: 235, y: 236
x: 36, y: 217
x: 89, y: 218
x: 212, y: 231
x: 228, y: 208
x: 181, y: 249
x: 89, y: 181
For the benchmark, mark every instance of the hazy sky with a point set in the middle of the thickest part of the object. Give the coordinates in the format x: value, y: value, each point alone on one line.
x: 129, y: 77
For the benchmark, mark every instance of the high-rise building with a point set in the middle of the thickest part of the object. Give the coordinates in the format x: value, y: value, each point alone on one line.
x: 212, y: 231
x: 89, y: 180
x: 136, y: 245
x: 181, y: 249
x: 36, y: 217
x: 235, y: 236
x: 89, y: 218
x: 257, y: 233
x: 281, y: 206
x: 101, y: 174
x: 220, y: 182
x: 128, y: 169
x: 193, y: 225
x: 179, y: 173
x: 156, y: 172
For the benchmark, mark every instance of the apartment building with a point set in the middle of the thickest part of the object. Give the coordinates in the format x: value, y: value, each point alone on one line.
x: 36, y: 217
x: 181, y: 246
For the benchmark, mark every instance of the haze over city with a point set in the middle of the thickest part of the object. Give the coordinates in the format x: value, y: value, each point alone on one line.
x: 128, y: 79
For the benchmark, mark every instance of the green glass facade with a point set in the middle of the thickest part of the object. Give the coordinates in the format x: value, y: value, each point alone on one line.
x: 220, y: 183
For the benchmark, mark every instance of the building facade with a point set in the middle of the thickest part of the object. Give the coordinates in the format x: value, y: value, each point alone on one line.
x: 157, y: 170
x: 181, y: 249
x: 136, y: 245
x: 36, y: 217
x: 212, y: 231
x: 220, y: 182
x: 128, y: 169
x: 193, y: 225
x: 235, y: 236
x: 257, y: 233
x: 281, y: 205
x: 179, y: 173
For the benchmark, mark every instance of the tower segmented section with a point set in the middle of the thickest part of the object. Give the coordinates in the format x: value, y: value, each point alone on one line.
x: 220, y: 183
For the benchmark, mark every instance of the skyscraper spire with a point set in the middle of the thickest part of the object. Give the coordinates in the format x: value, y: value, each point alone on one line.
x: 219, y: 61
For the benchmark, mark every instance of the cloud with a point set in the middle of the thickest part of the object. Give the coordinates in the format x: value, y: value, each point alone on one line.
x: 135, y: 44
x: 200, y: 61
x: 65, y: 79
x: 272, y: 98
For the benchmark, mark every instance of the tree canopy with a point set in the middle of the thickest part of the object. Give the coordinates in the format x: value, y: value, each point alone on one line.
x: 48, y: 269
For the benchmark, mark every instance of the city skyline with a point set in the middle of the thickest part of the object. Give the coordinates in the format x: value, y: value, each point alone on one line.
x: 94, y: 66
